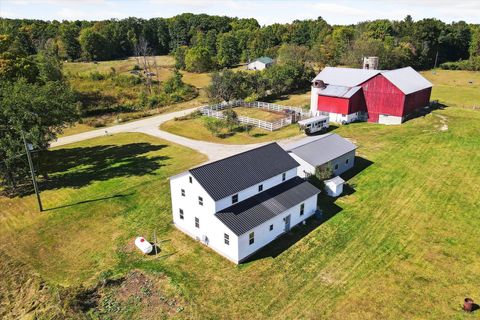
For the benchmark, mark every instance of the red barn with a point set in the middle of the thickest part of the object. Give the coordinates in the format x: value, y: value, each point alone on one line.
x: 387, y: 97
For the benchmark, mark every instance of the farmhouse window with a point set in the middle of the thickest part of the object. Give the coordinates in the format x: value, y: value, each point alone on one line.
x: 271, y: 227
x: 181, y: 213
x: 346, y: 161
x: 284, y: 176
x: 260, y: 188
x: 234, y: 198
x: 302, y: 209
x: 226, y: 238
x: 251, y: 238
x: 336, y: 166
x: 183, y: 192
x: 190, y: 179
x: 200, y: 201
x: 197, y: 222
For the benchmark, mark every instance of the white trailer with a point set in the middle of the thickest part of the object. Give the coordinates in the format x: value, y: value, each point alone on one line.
x: 315, y: 124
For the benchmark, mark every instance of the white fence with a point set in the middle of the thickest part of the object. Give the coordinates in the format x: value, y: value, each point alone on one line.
x: 215, y: 111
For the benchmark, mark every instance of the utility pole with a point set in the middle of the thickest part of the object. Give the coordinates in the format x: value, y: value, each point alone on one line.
x: 436, y: 59
x: 32, y: 171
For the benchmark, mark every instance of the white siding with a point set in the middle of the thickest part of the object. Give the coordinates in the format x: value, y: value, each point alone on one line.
x: 387, y: 119
x: 264, y: 236
x: 210, y: 226
x: 341, y: 161
x: 305, y: 168
x: 253, y: 190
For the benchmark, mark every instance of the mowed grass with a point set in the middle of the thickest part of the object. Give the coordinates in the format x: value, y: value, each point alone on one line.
x: 402, y: 245
x: 455, y: 88
x: 95, y: 204
x: 300, y: 98
x: 195, y: 129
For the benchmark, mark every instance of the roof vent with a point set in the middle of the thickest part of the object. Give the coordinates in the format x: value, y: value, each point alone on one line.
x: 319, y: 84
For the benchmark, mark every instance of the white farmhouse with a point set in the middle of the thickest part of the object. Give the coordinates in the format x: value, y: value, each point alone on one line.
x: 329, y: 149
x: 239, y: 204
x: 260, y: 63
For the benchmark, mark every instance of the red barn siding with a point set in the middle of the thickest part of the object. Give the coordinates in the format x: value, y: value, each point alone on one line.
x: 382, y: 97
x: 357, y: 102
x: 417, y: 100
x: 342, y: 105
x: 333, y: 104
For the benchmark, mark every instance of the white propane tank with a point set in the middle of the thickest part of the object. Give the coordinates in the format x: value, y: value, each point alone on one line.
x: 144, y: 246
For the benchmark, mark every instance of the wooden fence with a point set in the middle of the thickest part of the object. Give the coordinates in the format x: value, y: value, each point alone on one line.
x: 216, y: 112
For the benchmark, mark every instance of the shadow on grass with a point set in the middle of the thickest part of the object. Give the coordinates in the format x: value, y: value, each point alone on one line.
x: 88, y: 201
x: 360, y: 165
x: 426, y: 110
x: 78, y: 167
x: 329, y: 209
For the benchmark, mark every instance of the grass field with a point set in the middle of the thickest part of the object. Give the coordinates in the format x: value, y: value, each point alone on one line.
x: 260, y: 114
x: 403, y: 244
x: 296, y: 99
x: 195, y: 129
x: 111, y: 93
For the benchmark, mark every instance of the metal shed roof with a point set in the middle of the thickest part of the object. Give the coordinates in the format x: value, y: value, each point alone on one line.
x: 339, y: 91
x: 348, y: 77
x: 324, y: 149
x: 248, y: 214
x: 407, y: 80
x: 228, y: 176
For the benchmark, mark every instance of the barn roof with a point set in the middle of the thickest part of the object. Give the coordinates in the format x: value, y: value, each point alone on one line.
x: 228, y: 176
x: 252, y: 212
x: 348, y: 77
x: 339, y: 91
x: 407, y: 80
x: 324, y: 149
x: 265, y: 60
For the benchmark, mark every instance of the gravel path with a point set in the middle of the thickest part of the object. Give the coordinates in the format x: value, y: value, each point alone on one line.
x: 150, y: 126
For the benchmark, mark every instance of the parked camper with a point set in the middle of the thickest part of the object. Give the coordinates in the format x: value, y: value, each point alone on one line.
x: 315, y: 124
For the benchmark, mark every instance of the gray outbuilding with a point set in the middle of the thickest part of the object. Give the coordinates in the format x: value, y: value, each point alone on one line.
x: 328, y: 149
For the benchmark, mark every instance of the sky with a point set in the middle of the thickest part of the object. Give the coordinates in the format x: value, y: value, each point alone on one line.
x: 266, y: 12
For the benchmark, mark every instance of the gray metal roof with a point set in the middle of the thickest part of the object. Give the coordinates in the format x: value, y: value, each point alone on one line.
x: 228, y: 176
x: 407, y: 80
x: 348, y: 77
x: 338, y: 91
x: 324, y: 149
x: 250, y: 213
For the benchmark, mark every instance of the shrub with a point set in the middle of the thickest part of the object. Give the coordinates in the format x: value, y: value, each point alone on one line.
x: 473, y: 64
x: 96, y: 76
x: 136, y: 68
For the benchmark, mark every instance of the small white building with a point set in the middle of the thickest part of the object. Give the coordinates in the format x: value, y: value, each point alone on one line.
x: 260, y: 63
x: 328, y: 149
x: 239, y: 204
x: 334, y: 186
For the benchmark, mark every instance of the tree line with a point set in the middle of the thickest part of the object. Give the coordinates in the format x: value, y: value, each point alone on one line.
x: 202, y: 42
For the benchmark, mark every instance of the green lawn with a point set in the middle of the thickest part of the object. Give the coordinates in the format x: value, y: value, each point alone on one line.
x: 195, y: 129
x: 402, y: 245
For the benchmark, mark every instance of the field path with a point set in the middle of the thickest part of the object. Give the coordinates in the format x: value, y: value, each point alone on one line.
x: 150, y: 126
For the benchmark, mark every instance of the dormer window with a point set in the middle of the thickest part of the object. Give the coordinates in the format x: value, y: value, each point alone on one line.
x: 235, y: 198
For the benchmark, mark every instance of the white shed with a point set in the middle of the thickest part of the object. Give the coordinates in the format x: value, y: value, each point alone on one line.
x: 334, y: 186
x: 260, y: 63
